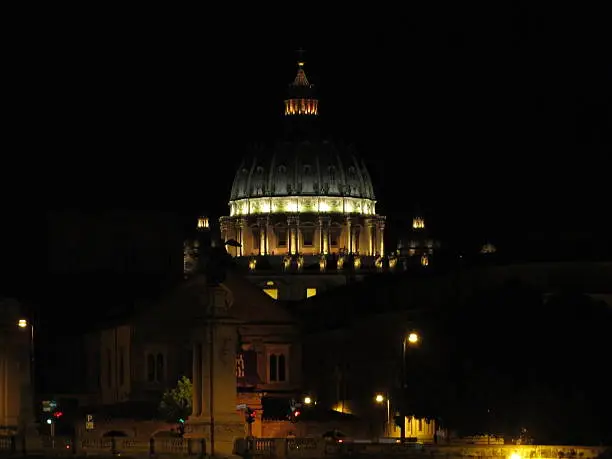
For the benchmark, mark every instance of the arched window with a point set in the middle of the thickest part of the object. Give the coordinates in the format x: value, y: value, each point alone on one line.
x: 150, y: 368
x: 273, y: 368
x: 159, y: 367
x: 332, y: 173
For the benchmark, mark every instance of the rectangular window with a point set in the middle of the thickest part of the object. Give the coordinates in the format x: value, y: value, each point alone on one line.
x: 307, y: 237
x: 282, y: 237
x: 256, y: 239
x: 311, y: 292
x: 278, y: 368
x: 150, y: 368
x: 334, y: 235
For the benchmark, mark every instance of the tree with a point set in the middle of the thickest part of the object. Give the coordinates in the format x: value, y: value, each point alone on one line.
x: 175, y: 405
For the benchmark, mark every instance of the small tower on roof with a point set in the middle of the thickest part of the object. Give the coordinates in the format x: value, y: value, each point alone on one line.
x: 301, y: 98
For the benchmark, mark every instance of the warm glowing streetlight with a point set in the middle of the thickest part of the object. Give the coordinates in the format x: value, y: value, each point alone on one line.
x: 307, y: 400
x: 413, y: 338
x: 22, y: 323
x: 380, y: 399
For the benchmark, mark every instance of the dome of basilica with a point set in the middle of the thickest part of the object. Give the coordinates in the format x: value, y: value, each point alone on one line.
x: 289, y: 176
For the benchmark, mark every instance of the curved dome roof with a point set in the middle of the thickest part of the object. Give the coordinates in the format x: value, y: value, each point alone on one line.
x: 307, y: 168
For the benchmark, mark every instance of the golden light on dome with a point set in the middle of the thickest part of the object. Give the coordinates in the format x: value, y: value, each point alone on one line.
x: 202, y: 222
x: 301, y: 64
x: 418, y: 223
x: 424, y: 260
x: 302, y: 204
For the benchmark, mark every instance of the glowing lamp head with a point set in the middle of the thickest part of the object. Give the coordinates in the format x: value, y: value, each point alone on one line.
x: 413, y: 338
x: 379, y: 398
x: 22, y: 323
x: 307, y: 400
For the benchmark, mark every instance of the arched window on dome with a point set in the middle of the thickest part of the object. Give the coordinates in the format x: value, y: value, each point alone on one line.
x: 308, y: 232
x: 282, y: 169
x: 281, y: 236
x: 307, y: 170
x: 334, y: 235
x: 352, y: 172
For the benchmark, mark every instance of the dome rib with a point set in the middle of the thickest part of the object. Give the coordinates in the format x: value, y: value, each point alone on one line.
x: 302, y: 169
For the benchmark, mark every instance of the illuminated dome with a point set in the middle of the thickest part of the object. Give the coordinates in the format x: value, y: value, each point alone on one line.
x: 304, y: 196
x: 309, y: 176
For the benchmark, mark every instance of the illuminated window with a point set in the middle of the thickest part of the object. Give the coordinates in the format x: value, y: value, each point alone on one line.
x: 418, y: 223
x: 424, y: 260
x: 311, y: 292
x: 271, y: 292
x: 203, y: 222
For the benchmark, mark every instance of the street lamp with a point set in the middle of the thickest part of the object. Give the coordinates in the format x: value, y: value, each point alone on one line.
x: 411, y: 339
x: 380, y: 399
x: 23, y: 323
x: 307, y: 400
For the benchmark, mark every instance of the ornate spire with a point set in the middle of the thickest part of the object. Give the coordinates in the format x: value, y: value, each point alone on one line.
x: 301, y: 98
x: 300, y: 78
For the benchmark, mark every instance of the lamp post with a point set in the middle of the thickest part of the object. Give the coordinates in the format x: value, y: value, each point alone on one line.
x: 380, y: 399
x: 411, y: 339
x: 23, y: 324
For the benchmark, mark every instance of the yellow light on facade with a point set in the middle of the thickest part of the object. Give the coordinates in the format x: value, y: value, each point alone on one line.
x: 271, y: 292
x: 310, y: 292
x: 413, y: 338
x: 515, y: 456
x: 202, y: 222
x: 379, y: 398
x: 307, y: 400
x: 22, y: 323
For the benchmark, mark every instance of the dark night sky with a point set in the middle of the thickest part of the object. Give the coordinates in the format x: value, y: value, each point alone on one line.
x: 496, y: 122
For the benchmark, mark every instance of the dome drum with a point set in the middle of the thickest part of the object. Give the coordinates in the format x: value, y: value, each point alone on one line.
x: 302, y: 204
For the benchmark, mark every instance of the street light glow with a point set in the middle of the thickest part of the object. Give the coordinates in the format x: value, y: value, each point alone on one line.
x: 413, y: 338
x: 22, y: 323
x: 307, y: 400
x: 379, y: 398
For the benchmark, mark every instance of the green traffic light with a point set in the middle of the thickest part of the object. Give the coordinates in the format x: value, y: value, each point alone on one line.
x: 182, y: 421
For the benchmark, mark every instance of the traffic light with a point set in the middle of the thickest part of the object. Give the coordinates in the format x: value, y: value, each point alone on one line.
x: 58, y: 414
x: 250, y: 415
